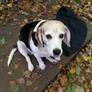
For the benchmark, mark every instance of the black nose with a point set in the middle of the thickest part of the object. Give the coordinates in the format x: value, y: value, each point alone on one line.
x: 56, y: 51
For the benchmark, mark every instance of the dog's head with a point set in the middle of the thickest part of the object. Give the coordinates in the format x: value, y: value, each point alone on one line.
x: 51, y: 33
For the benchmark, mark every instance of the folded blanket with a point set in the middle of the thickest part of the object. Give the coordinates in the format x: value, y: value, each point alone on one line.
x: 77, y: 29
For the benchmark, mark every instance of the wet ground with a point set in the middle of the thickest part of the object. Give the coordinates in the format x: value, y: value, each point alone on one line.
x: 10, y: 33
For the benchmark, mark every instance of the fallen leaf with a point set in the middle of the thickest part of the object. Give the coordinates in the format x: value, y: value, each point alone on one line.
x: 9, y: 5
x: 63, y: 80
x: 3, y: 40
x: 12, y: 83
x: 46, y: 90
x: 60, y: 89
x: 73, y: 70
x: 69, y: 75
x: 78, y: 69
x: 10, y: 73
x: 86, y: 58
x: 88, y: 70
x: 34, y: 76
x: 70, y: 87
x: 20, y: 80
x: 15, y: 88
x: 27, y: 74
x: 79, y: 89
x: 16, y: 66
x: 52, y: 89
x: 49, y: 86
x: 60, y: 66
x: 28, y: 82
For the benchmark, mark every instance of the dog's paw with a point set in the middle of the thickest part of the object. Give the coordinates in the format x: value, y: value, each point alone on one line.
x: 30, y: 67
x: 42, y: 66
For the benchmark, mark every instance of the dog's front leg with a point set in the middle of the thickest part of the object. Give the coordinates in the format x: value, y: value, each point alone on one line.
x: 40, y: 62
x: 51, y: 60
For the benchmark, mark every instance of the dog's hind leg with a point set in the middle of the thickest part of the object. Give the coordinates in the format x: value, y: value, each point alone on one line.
x: 23, y: 50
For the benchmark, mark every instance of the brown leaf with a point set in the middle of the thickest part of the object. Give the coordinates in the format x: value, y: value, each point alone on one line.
x: 63, y: 80
x: 20, y: 80
x: 27, y: 74
x: 12, y: 83
x: 34, y: 76
x: 16, y: 66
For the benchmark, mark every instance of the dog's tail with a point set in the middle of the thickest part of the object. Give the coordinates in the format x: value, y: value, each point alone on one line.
x: 11, y: 56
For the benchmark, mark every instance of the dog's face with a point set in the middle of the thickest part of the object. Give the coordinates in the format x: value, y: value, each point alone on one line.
x: 52, y: 33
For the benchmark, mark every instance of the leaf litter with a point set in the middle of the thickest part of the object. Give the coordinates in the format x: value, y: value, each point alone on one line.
x: 80, y: 69
x: 78, y: 78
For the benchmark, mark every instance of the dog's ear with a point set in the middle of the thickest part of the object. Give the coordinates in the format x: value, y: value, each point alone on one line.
x: 67, y: 37
x: 39, y: 36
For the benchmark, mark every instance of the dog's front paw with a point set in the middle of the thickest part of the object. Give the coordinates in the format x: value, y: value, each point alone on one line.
x: 42, y: 66
x: 30, y: 67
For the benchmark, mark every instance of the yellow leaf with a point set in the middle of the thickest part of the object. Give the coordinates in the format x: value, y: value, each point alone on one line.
x: 91, y: 82
x: 56, y: 7
x: 21, y: 25
x: 73, y: 70
x: 60, y: 66
x: 27, y: 74
x: 90, y: 61
x: 16, y: 66
x: 89, y: 3
x: 10, y: 73
x: 9, y: 5
x: 78, y: 59
x: 86, y: 58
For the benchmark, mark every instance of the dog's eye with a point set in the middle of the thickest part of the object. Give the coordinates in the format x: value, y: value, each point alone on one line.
x: 61, y: 36
x: 48, y: 36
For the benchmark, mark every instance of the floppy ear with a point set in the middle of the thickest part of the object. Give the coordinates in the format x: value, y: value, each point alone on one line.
x: 67, y: 37
x: 39, y: 36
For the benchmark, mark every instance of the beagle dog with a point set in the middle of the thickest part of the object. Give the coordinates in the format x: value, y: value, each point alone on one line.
x: 42, y: 39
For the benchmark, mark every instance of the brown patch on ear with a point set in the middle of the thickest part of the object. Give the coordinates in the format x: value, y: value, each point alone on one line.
x: 38, y: 36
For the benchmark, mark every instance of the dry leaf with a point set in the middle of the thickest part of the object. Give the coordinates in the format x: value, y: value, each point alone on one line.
x: 27, y: 74
x: 52, y: 89
x: 73, y: 70
x: 63, y: 80
x: 34, y: 76
x: 79, y: 89
x: 16, y: 66
x: 12, y: 83
x: 10, y: 73
x: 20, y: 80
x: 46, y: 90
x: 60, y: 66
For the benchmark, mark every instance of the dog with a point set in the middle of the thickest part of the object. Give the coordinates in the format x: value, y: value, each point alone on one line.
x: 42, y: 39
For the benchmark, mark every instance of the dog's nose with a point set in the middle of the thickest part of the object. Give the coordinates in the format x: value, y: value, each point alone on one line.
x: 56, y: 51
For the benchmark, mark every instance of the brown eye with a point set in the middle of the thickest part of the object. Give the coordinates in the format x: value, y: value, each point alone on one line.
x: 48, y: 36
x: 61, y: 36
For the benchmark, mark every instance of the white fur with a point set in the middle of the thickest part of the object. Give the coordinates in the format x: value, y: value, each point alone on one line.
x: 52, y: 27
x: 11, y: 56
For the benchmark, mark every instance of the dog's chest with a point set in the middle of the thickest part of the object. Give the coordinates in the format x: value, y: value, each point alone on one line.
x: 42, y: 52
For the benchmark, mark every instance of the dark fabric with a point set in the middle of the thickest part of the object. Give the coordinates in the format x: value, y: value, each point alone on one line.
x: 77, y: 29
x: 25, y: 31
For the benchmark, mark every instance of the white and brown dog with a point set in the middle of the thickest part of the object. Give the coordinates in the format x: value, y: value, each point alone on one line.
x: 42, y: 39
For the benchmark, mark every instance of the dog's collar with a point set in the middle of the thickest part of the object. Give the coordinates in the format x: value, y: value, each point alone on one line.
x: 39, y: 23
x: 35, y: 30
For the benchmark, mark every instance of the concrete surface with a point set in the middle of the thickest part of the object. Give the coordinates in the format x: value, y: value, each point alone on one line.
x: 10, y: 33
